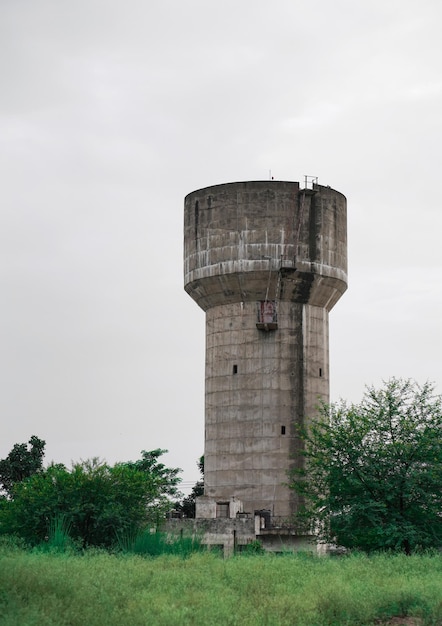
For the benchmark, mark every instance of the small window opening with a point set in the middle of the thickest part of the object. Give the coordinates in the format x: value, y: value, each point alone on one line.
x: 320, y: 372
x: 222, y: 509
x: 282, y: 430
x: 235, y: 369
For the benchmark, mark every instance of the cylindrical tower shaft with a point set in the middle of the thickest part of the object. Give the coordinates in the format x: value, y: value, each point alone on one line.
x: 267, y: 261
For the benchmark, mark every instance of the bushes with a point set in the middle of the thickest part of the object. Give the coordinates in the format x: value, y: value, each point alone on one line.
x: 96, y: 501
x: 373, y: 471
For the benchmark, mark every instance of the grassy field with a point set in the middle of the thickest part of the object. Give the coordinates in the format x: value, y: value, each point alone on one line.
x: 100, y: 589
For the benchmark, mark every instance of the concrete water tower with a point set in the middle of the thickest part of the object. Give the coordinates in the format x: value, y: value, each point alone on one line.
x: 266, y: 261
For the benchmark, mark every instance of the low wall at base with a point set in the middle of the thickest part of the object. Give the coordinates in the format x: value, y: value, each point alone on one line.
x: 232, y: 535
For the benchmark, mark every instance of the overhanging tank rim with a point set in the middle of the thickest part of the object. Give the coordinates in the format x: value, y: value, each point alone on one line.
x: 243, y: 182
x: 262, y: 182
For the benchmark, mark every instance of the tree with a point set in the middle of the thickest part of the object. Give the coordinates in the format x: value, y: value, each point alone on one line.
x: 21, y: 463
x: 99, y: 502
x: 372, y: 477
x: 188, y: 504
x: 163, y: 480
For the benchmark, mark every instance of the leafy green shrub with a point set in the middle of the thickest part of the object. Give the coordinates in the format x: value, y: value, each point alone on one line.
x: 373, y: 471
x: 11, y: 543
x: 97, y: 499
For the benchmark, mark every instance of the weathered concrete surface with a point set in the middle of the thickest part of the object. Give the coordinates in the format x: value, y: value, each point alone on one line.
x: 232, y: 535
x: 208, y: 508
x: 251, y: 416
x: 235, y: 233
x: 245, y: 244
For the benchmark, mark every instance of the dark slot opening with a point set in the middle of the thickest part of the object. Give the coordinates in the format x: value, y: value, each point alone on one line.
x: 282, y: 430
x: 320, y: 371
x: 235, y: 369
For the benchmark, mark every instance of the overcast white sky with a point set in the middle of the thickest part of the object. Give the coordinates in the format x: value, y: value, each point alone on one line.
x: 111, y: 112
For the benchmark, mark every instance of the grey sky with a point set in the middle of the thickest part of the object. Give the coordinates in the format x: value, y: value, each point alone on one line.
x: 111, y: 112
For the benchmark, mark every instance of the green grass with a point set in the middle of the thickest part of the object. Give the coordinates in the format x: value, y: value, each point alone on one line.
x: 147, y: 543
x: 100, y: 589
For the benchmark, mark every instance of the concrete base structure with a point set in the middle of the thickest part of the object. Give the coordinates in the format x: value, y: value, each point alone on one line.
x: 234, y: 535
